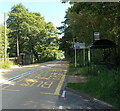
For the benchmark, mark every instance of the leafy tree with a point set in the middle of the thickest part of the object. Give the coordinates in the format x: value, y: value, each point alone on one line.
x: 29, y: 33
x: 14, y: 24
x: 82, y: 19
x: 1, y: 42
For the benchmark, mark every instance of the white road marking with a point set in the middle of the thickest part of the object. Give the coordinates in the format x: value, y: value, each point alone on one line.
x: 88, y: 107
x: 60, y: 107
x: 63, y: 94
x: 27, y: 73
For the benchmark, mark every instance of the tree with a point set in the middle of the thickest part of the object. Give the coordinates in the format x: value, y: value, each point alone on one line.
x: 1, y: 41
x: 82, y: 19
x: 30, y: 33
x: 14, y: 24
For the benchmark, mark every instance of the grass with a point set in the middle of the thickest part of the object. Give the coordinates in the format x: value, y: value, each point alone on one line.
x: 78, y: 70
x: 7, y: 65
x: 104, y: 86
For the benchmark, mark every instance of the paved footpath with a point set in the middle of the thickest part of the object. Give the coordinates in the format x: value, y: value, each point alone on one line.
x: 43, y: 86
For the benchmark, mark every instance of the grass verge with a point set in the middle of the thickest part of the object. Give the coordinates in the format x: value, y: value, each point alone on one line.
x: 104, y: 86
x: 78, y: 70
x: 7, y: 65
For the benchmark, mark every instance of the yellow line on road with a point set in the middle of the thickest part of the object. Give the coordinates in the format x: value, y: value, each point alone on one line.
x: 10, y: 90
x: 5, y: 87
x: 40, y: 84
x: 46, y: 85
x: 47, y: 93
x: 20, y: 80
x: 57, y: 91
x: 33, y: 83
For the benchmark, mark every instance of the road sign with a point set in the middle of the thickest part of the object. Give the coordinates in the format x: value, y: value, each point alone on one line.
x: 96, y: 36
x: 78, y: 45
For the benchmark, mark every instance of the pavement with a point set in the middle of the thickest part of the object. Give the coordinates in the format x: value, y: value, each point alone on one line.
x: 76, y: 79
x: 88, y: 101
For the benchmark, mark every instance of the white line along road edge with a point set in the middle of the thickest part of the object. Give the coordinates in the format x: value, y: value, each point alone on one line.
x: 27, y: 73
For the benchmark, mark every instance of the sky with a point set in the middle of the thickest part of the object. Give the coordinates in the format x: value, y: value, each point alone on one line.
x: 52, y: 10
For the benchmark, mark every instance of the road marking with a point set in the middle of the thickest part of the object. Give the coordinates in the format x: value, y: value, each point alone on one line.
x: 6, y: 87
x: 28, y: 73
x: 46, y: 93
x: 10, y: 90
x: 63, y: 94
x: 40, y: 84
x: 88, y: 107
x: 57, y: 91
x: 33, y: 83
x: 60, y: 107
x: 27, y: 83
x: 47, y: 85
x: 20, y: 80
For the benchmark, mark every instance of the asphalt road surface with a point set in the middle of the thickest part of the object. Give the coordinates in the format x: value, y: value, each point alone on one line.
x: 41, y: 86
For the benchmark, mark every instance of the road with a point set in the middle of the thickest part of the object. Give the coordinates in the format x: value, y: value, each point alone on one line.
x: 41, y: 86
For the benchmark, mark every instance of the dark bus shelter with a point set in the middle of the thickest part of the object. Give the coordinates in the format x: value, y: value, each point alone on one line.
x: 101, y: 53
x: 103, y: 44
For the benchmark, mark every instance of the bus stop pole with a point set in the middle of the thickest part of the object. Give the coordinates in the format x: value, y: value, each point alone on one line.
x: 83, y: 57
x: 75, y: 58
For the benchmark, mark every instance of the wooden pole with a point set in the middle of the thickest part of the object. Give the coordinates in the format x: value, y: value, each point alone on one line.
x: 5, y: 40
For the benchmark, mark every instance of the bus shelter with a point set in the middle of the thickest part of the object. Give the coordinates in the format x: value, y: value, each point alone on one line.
x: 101, y: 54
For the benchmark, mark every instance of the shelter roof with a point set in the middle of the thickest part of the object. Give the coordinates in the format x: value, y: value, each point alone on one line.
x: 102, y: 44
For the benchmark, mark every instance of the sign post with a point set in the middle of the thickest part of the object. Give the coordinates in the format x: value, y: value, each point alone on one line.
x: 83, y: 57
x: 78, y: 45
x: 75, y: 59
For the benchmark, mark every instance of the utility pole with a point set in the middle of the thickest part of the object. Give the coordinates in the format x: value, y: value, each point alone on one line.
x: 17, y: 47
x: 5, y: 40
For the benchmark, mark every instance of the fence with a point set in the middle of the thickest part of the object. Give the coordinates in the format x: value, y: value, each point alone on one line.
x: 10, y: 59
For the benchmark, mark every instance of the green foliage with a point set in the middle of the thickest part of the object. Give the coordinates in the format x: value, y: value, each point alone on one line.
x: 34, y: 35
x: 1, y: 41
x: 6, y: 65
x: 82, y: 19
x: 104, y: 86
x: 117, y: 87
x: 78, y: 70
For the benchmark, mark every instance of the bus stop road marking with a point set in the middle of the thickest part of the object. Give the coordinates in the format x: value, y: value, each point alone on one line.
x: 5, y: 87
x: 10, y: 90
x: 45, y: 93
x: 57, y: 91
x: 28, y: 73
